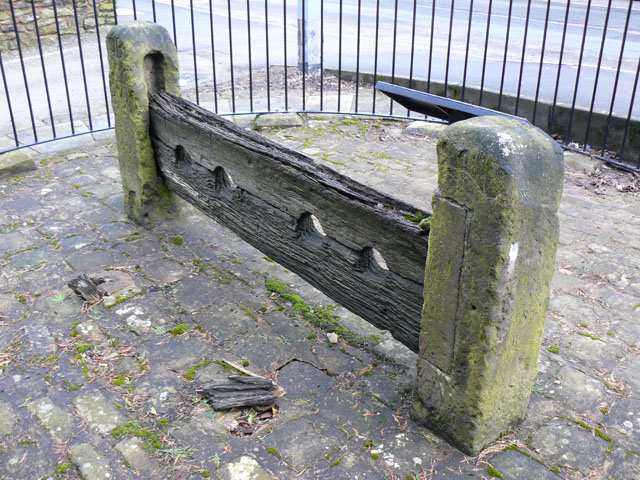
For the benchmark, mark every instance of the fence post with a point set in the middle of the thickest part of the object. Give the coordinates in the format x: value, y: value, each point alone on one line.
x: 492, y: 248
x: 142, y: 61
x: 309, y: 41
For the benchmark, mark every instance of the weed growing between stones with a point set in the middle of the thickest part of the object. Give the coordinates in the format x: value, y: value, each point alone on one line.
x: 317, y: 316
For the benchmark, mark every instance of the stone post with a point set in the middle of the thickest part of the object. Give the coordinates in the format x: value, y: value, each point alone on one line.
x: 492, y: 249
x: 142, y: 61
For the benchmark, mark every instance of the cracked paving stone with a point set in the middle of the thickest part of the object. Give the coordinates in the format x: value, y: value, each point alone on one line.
x: 624, y: 419
x: 91, y: 465
x: 121, y: 296
x: 99, y: 412
x: 228, y: 322
x: 577, y: 390
x: 90, y: 332
x: 39, y: 339
x: 23, y: 462
x: 299, y: 444
x: 333, y: 360
x: 515, y: 465
x: 132, y: 449
x: 350, y: 467
x: 164, y: 270
x: 632, y: 375
x: 7, y: 419
x: 194, y: 293
x: 244, y: 468
x: 566, y: 444
x: 300, y: 380
x: 56, y: 421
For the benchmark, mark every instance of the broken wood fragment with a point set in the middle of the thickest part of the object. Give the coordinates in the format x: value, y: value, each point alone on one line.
x: 87, y: 288
x: 239, y: 391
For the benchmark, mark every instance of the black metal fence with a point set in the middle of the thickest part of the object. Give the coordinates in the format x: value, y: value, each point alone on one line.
x: 570, y: 67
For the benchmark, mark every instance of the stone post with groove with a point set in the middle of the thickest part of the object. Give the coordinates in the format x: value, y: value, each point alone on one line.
x: 142, y: 61
x: 491, y: 256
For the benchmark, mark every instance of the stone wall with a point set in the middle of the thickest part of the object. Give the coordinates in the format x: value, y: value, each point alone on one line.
x: 46, y: 19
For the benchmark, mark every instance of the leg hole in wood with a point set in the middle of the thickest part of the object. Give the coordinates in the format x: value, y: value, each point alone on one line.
x: 310, y: 225
x: 182, y: 157
x: 374, y: 259
x: 223, y: 179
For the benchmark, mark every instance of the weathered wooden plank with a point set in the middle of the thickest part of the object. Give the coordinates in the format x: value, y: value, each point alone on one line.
x: 354, y: 214
x: 194, y: 167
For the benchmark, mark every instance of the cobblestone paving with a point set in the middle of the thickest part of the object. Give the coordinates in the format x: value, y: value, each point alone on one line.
x: 110, y: 391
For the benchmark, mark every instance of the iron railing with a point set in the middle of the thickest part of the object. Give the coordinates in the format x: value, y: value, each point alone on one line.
x: 570, y: 67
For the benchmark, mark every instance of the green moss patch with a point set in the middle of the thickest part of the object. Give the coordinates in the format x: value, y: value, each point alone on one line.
x: 191, y: 373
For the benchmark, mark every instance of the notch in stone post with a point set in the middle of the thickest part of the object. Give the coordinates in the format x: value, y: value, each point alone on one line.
x: 492, y: 249
x: 142, y: 62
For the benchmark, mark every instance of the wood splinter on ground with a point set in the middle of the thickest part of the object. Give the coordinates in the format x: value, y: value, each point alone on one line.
x: 87, y: 289
x: 240, y: 391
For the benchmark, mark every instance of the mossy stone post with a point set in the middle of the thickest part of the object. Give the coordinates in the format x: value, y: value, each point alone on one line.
x: 142, y: 61
x: 492, y: 250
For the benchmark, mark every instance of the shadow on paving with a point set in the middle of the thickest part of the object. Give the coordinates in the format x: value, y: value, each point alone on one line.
x: 111, y: 390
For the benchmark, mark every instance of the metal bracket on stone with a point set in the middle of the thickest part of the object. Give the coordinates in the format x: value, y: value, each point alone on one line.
x: 436, y: 106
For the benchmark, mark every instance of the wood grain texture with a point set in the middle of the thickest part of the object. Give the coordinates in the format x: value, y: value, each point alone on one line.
x: 269, y: 200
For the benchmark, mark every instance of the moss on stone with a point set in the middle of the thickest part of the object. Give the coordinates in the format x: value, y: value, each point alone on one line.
x: 191, y: 373
x: 274, y: 285
x: 180, y: 329
x: 495, y: 473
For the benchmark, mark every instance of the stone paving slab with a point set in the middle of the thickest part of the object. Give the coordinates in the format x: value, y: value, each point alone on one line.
x: 111, y: 390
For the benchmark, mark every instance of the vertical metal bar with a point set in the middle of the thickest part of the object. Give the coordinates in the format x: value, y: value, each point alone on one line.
x: 339, y: 54
x: 233, y: 91
x: 104, y: 78
x: 628, y: 123
x: 6, y: 93
x: 506, y: 50
x: 195, y: 57
x: 286, y: 83
x: 595, y: 85
x: 615, y: 83
x: 393, y: 58
x: 486, y: 47
x: 322, y: 55
x: 84, y: 73
x: 466, y: 55
x: 544, y: 43
x: 413, y: 46
x: 115, y: 12
x: 153, y: 8
x: 44, y: 70
x: 213, y: 57
x: 575, y: 90
x: 173, y: 21
x: 555, y: 93
x: 266, y: 42
x: 135, y: 14
x: 358, y: 54
x: 524, y: 49
x: 446, y: 69
x: 304, y: 59
x: 250, y: 67
x: 24, y: 71
x: 62, y: 62
x: 433, y: 14
x: 375, y: 60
